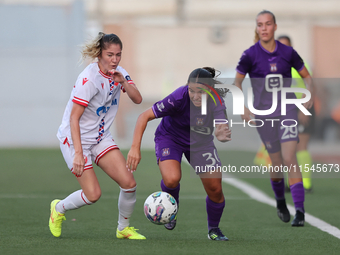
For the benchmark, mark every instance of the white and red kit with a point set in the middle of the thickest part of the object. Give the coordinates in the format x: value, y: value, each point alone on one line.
x: 100, y: 95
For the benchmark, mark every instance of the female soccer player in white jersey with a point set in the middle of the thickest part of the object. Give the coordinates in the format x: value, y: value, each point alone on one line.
x: 268, y: 63
x: 85, y: 137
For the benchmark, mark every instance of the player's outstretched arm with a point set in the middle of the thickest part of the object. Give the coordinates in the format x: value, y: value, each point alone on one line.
x: 130, y: 89
x: 223, y: 133
x: 134, y: 155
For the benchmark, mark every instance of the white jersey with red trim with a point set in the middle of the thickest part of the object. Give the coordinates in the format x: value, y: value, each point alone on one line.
x: 100, y: 95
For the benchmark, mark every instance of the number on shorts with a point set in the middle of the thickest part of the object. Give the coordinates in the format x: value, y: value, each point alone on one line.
x: 210, y: 157
x: 289, y: 132
x: 216, y: 156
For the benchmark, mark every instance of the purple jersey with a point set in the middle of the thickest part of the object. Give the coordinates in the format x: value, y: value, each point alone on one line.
x: 182, y: 121
x: 267, y: 70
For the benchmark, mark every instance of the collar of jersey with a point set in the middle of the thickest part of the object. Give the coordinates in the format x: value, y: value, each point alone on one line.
x: 266, y: 50
x: 104, y: 75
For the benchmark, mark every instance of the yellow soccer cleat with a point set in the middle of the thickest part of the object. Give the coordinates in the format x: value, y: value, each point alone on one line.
x: 56, y: 219
x: 129, y: 233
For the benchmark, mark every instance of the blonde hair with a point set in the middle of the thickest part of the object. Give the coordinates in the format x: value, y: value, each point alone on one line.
x: 94, y: 48
x: 256, y: 37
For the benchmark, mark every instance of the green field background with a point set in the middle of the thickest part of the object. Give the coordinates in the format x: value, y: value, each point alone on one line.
x: 32, y: 178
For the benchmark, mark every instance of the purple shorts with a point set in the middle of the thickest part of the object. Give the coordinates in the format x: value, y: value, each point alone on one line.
x: 277, y: 130
x: 201, y: 158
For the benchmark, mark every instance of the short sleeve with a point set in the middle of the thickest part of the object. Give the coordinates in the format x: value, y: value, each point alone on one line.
x: 245, y: 64
x: 297, y: 61
x: 84, y: 91
x: 169, y: 105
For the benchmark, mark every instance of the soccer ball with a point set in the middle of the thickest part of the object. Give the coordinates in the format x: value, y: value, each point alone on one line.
x: 160, y: 208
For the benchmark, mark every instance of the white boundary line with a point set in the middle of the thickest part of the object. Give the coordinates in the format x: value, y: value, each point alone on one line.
x: 260, y: 196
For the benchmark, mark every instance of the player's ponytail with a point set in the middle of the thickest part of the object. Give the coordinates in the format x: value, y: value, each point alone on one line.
x: 221, y: 91
x: 207, y: 75
x: 211, y: 70
x: 94, y: 48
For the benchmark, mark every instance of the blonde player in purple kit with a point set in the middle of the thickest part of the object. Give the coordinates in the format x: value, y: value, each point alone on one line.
x: 85, y: 137
x: 268, y: 63
x: 184, y: 130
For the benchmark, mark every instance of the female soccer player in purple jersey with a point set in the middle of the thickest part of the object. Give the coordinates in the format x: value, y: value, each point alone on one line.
x: 184, y: 130
x: 85, y: 136
x: 268, y: 63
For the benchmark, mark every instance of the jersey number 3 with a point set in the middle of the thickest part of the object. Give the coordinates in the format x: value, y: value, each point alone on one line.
x: 212, y: 158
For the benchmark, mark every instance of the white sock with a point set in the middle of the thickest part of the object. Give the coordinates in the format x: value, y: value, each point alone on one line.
x: 126, y: 204
x: 74, y: 201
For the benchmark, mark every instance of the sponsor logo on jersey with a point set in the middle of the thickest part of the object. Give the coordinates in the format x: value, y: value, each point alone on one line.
x: 165, y: 152
x: 127, y: 77
x: 101, y: 109
x: 160, y: 106
x: 271, y: 59
x: 102, y: 85
x: 105, y: 109
x: 85, y: 80
x: 273, y: 67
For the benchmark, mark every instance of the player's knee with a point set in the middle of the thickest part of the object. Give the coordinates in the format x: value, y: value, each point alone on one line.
x: 171, y: 182
x: 216, y: 195
x: 289, y: 160
x: 128, y: 184
x: 216, y: 191
x: 94, y: 195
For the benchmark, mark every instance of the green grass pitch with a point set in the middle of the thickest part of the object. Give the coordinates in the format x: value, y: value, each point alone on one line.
x: 31, y: 178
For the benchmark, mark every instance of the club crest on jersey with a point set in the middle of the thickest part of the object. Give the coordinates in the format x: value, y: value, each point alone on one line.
x: 199, y: 122
x: 165, y: 152
x: 273, y: 67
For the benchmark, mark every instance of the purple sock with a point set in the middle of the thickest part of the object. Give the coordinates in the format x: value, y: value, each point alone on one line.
x: 298, y: 195
x: 172, y: 191
x: 214, y: 211
x: 279, y: 189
